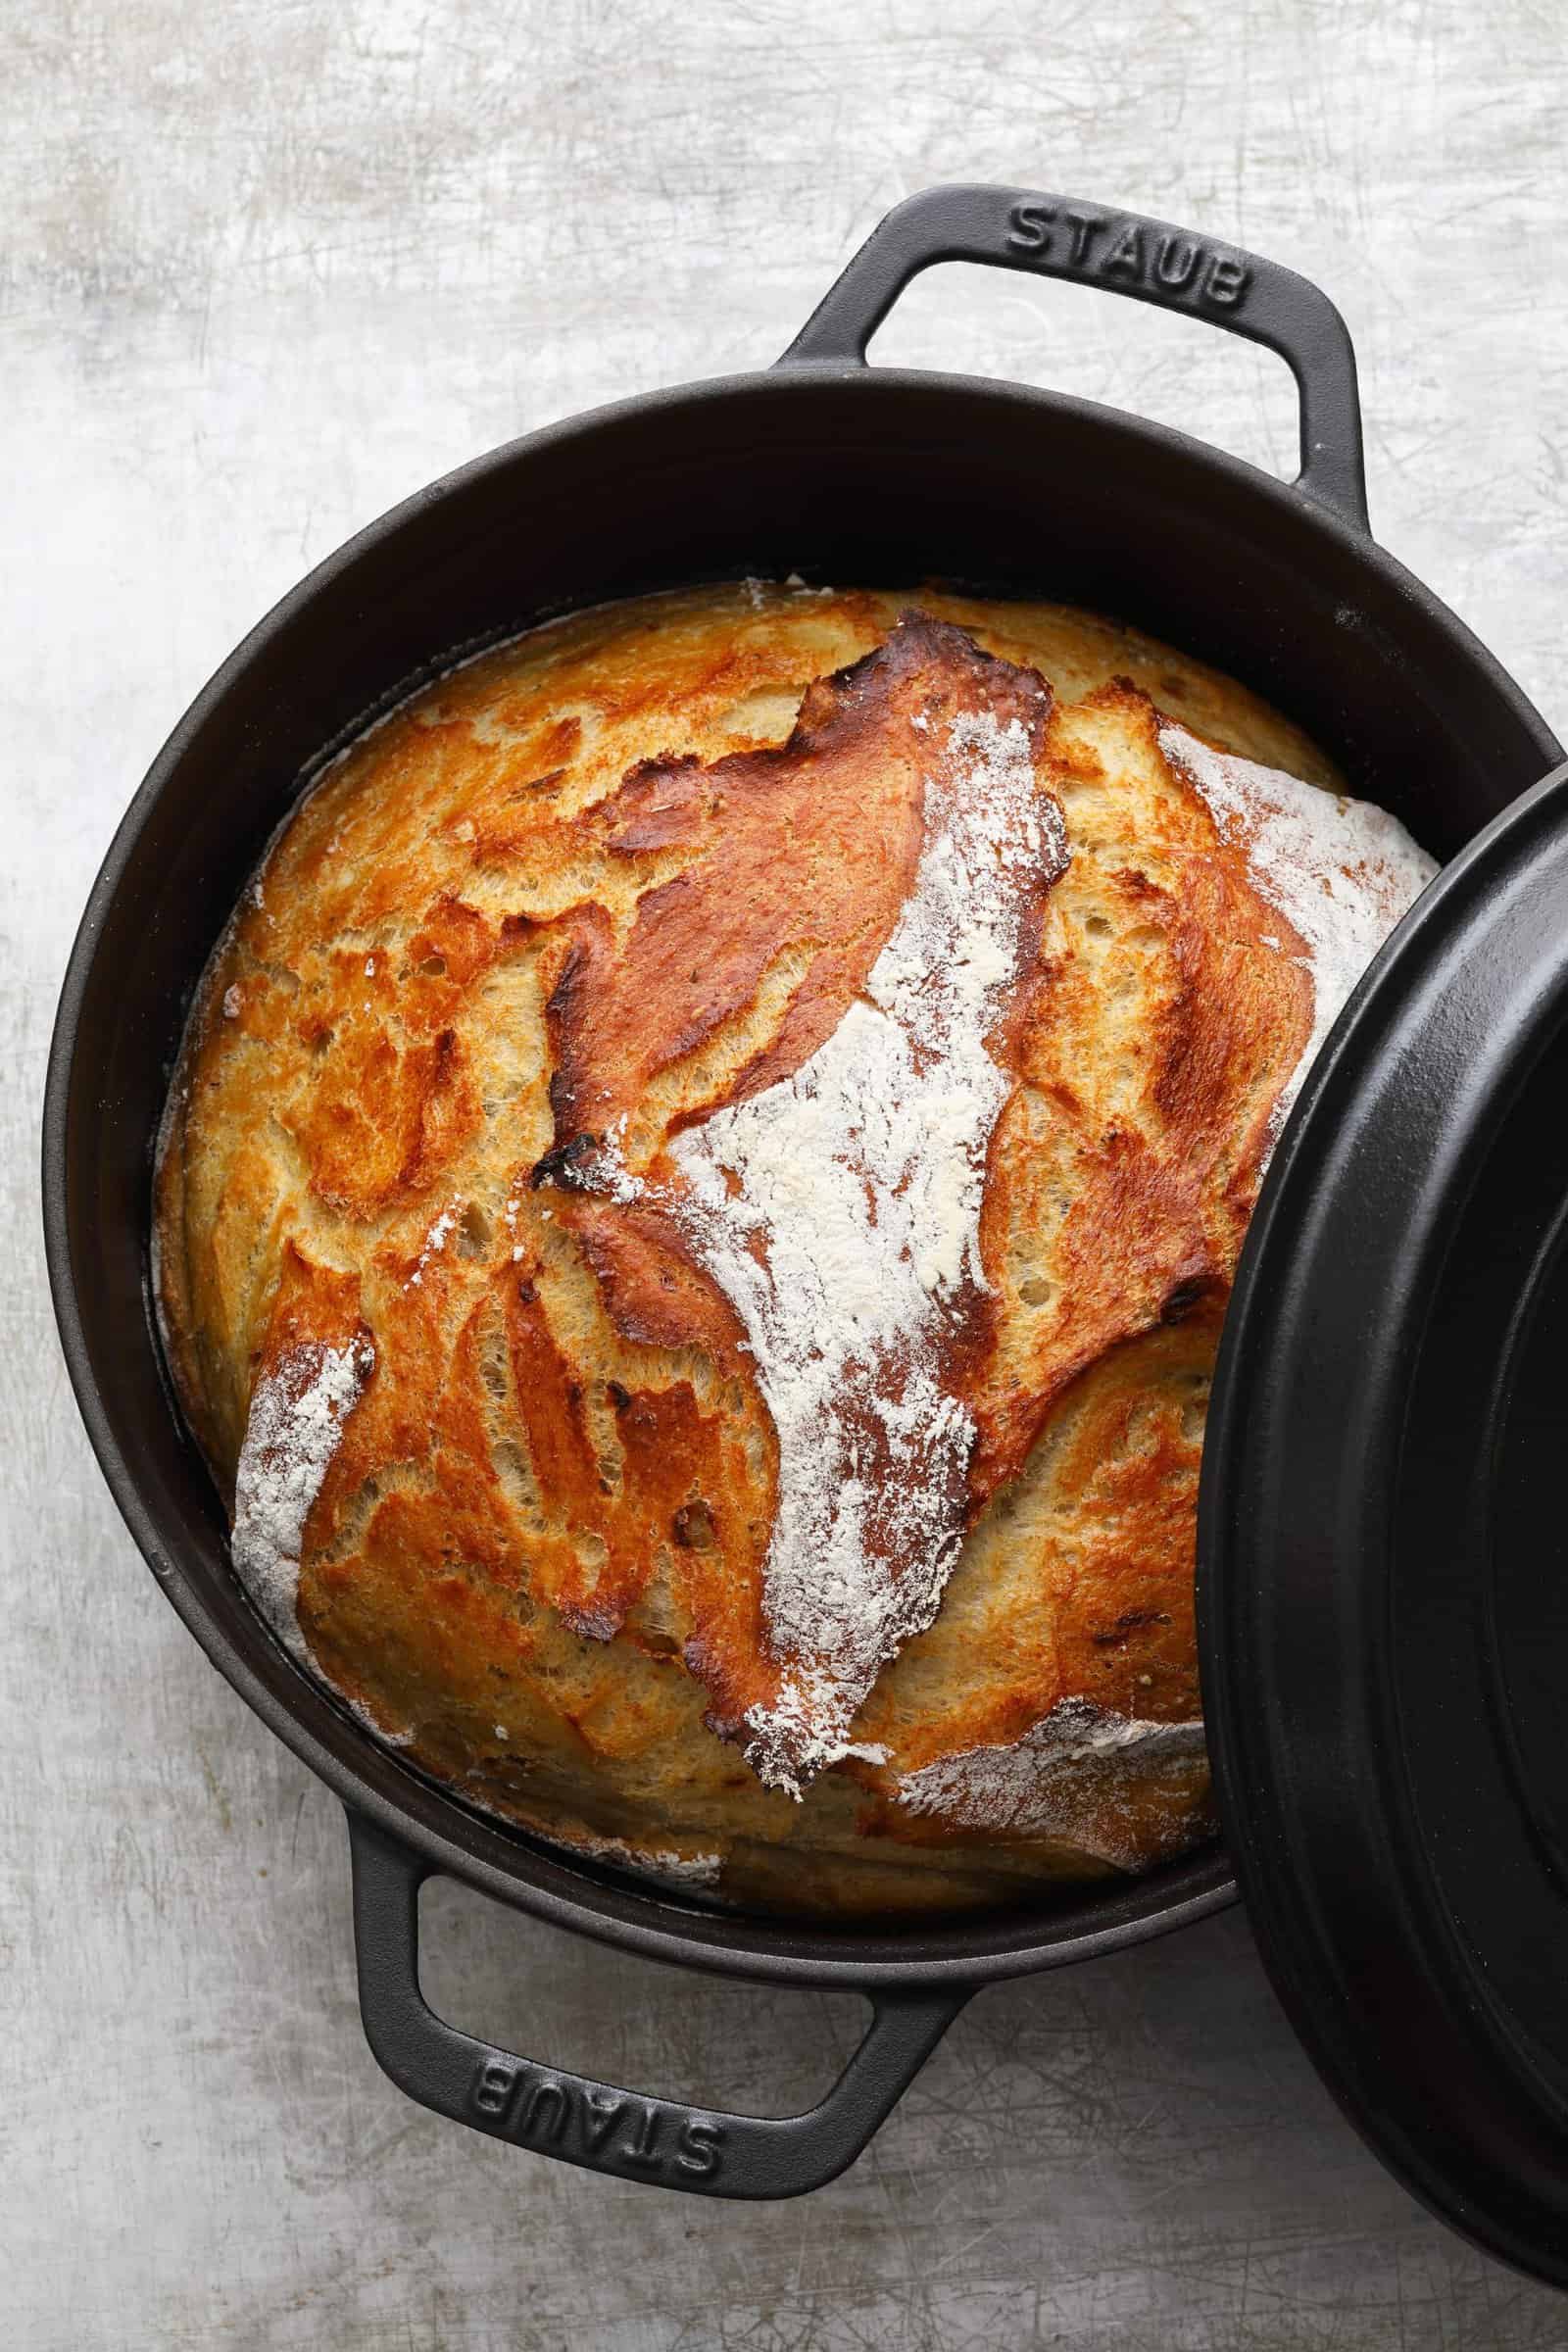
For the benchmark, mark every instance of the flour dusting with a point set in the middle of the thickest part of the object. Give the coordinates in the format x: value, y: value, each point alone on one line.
x: 362, y: 1716
x: 297, y: 1414
x: 1071, y: 1776
x: 1340, y: 872
x: 664, y: 1865
x: 839, y: 1211
x: 436, y: 1241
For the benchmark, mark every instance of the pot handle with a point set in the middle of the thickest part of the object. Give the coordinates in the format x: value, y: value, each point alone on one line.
x: 1125, y: 253
x: 557, y: 2114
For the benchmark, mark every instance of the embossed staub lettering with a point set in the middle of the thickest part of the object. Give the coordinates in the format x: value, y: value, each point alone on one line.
x: 545, y: 2112
x: 493, y: 2086
x: 702, y: 2147
x: 599, y: 2115
x: 1129, y: 251
x: 1083, y: 229
x: 641, y: 2143
x: 542, y: 2111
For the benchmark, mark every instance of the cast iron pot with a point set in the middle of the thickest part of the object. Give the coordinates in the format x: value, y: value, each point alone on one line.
x: 845, y: 473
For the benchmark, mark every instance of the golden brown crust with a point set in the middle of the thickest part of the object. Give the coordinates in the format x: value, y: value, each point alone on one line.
x: 537, y: 1554
x: 806, y: 851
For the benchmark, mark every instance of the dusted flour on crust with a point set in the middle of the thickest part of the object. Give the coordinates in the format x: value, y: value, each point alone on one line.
x: 840, y: 1214
x: 687, y: 1873
x: 1340, y: 872
x: 1067, y: 1779
x: 297, y: 1413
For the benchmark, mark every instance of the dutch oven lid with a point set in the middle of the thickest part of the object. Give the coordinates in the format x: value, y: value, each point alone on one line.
x: 1383, y: 1593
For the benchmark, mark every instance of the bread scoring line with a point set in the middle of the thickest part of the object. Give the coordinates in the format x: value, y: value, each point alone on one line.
x: 838, y: 1212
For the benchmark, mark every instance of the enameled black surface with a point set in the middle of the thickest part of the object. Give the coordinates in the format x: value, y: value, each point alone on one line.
x: 1384, y: 1546
x: 843, y: 473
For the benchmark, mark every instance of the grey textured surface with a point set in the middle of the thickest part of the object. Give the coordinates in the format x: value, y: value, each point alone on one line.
x: 265, y: 270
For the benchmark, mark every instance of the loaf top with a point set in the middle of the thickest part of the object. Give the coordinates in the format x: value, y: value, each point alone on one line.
x: 696, y: 1211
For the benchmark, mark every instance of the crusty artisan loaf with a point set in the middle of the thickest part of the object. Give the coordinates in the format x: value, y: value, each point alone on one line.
x: 697, y: 1207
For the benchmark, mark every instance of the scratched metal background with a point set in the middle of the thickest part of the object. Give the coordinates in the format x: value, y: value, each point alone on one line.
x: 265, y: 270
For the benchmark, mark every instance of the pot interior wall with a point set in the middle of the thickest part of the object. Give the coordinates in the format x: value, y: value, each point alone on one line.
x: 873, y: 478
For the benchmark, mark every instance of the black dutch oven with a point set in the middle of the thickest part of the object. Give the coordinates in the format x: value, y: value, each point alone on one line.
x: 1382, y: 1597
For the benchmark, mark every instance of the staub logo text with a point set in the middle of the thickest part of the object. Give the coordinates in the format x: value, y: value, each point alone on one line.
x: 1108, y: 245
x: 621, y: 2133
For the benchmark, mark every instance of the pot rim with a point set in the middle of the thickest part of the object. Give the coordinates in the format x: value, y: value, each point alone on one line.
x: 497, y: 1860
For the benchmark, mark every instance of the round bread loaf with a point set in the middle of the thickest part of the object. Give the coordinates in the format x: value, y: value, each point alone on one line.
x: 696, y: 1210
